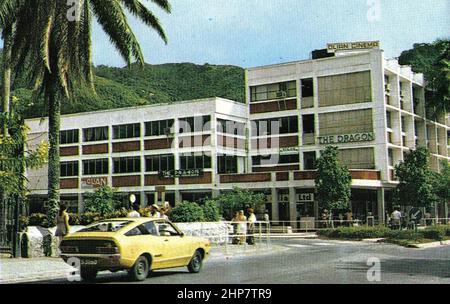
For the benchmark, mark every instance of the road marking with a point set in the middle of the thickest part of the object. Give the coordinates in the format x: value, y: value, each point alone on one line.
x: 323, y: 244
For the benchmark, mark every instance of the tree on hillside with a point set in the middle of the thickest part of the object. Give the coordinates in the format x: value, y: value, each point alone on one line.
x: 52, y: 45
x: 415, y: 186
x: 433, y: 60
x: 333, y: 181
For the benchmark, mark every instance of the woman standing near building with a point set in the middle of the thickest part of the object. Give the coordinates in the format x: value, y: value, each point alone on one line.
x: 62, y: 223
x: 242, y: 230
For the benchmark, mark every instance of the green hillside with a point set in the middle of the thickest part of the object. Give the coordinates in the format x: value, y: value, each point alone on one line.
x: 165, y: 83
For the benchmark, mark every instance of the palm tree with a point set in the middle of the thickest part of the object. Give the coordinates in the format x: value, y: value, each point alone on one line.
x: 56, y: 55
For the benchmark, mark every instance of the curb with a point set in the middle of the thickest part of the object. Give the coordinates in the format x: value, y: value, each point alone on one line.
x: 43, y: 276
x: 379, y: 240
x: 430, y: 245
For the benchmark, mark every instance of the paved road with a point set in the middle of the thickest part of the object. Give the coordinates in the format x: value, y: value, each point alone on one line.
x: 311, y: 262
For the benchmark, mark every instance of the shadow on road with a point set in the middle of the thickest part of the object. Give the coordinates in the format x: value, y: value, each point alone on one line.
x: 407, y: 267
x: 119, y: 277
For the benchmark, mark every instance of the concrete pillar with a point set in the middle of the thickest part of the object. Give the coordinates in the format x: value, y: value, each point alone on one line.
x: 381, y: 206
x: 275, y: 215
x: 177, y: 197
x: 80, y: 203
x: 292, y: 205
x: 143, y: 199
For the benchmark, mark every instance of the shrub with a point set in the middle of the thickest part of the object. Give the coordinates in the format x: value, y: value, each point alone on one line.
x: 435, y: 233
x: 101, y: 201
x: 74, y: 219
x: 145, y: 212
x: 447, y: 230
x: 89, y: 218
x: 404, y: 235
x: 24, y: 222
x: 119, y: 213
x: 38, y: 219
x: 187, y: 212
x: 357, y: 233
x: 211, y: 211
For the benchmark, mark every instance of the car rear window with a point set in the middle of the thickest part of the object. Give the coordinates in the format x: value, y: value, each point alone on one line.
x: 106, y: 226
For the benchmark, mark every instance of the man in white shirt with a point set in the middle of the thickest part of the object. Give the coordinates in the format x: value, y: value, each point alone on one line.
x: 251, y: 226
x: 396, y: 217
x: 135, y: 213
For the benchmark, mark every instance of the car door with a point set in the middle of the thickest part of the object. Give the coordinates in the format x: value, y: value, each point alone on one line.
x: 155, y: 245
x: 175, y: 250
x: 140, y: 240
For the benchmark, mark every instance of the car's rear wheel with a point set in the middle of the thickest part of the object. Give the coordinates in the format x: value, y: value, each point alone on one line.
x: 196, y: 263
x: 88, y: 273
x: 140, y: 269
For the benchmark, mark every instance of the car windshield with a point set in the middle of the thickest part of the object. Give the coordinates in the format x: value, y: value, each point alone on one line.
x: 106, y: 226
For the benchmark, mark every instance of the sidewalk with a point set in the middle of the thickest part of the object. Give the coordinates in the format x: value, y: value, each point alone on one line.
x: 38, y: 269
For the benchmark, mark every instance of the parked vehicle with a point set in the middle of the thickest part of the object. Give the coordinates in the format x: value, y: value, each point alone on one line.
x: 138, y: 245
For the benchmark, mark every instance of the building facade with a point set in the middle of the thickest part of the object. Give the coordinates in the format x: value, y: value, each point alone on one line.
x: 370, y: 107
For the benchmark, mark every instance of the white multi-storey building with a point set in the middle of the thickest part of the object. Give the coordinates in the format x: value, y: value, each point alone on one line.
x: 370, y: 107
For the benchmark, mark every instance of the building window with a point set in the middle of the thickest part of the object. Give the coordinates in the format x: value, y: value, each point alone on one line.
x: 274, y: 91
x: 127, y: 165
x: 391, y: 157
x: 69, y: 137
x: 308, y: 124
x: 403, y: 124
x: 273, y: 160
x: 285, y: 125
x: 345, y: 89
x: 195, y: 124
x: 227, y: 164
x: 307, y: 87
x: 309, y: 160
x: 95, y: 166
x: 389, y: 136
x: 159, y: 128
x: 69, y: 169
x: 96, y: 134
x: 389, y: 120
x: 156, y: 163
x: 127, y: 131
x: 230, y: 127
x: 195, y: 161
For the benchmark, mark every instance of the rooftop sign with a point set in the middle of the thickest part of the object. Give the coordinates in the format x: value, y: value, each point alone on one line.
x: 348, y: 46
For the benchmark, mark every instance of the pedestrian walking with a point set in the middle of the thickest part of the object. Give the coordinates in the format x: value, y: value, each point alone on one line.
x: 62, y: 224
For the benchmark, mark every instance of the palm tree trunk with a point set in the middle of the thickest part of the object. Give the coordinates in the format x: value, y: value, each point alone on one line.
x: 54, y: 114
x: 6, y: 92
x: 6, y: 79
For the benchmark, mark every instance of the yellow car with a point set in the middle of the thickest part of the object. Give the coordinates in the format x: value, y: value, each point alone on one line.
x: 138, y: 245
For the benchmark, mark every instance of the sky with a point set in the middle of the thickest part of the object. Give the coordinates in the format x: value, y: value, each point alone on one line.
x: 251, y: 33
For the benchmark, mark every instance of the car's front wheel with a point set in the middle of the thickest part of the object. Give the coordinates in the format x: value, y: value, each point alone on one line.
x: 196, y: 263
x: 140, y: 269
x: 88, y: 273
